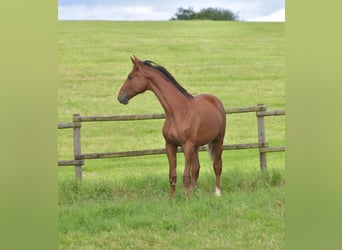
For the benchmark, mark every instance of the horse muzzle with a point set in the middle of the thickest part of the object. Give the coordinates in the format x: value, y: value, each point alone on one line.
x: 123, y: 99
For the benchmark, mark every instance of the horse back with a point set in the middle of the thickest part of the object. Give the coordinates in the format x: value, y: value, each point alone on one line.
x: 207, y: 104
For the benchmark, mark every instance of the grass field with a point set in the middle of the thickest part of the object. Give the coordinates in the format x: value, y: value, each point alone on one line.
x: 123, y: 203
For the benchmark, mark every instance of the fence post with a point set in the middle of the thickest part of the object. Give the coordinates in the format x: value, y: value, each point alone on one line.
x: 262, y: 140
x: 77, y: 146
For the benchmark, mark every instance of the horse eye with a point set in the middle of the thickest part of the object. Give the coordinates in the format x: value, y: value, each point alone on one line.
x: 130, y: 77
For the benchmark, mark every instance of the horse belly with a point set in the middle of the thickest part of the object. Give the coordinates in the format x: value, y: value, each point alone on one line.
x: 207, y: 131
x: 212, y: 118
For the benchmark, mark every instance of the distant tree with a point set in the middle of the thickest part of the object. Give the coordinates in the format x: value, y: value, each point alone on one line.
x: 216, y: 14
x: 184, y: 14
x: 205, y: 14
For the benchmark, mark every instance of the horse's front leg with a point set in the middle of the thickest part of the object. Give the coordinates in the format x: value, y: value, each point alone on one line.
x: 195, y: 168
x: 171, y: 151
x: 189, y: 153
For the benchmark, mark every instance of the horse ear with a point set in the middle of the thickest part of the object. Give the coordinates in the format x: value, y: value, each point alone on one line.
x: 135, y: 61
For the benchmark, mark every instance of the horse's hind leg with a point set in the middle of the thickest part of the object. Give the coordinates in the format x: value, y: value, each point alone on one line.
x: 217, y: 165
x: 218, y: 170
x: 195, y: 168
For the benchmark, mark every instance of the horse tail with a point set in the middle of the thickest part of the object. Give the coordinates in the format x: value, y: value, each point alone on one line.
x: 215, y: 149
x: 211, y: 150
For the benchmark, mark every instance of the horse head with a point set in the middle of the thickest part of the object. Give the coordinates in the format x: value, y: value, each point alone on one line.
x: 135, y: 83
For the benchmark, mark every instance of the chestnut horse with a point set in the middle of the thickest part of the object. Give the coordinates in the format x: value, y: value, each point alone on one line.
x: 191, y: 121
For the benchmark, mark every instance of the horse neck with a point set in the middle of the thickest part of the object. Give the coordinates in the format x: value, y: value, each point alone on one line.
x: 172, y: 100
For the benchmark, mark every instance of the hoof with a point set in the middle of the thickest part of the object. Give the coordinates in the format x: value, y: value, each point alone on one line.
x: 217, y: 192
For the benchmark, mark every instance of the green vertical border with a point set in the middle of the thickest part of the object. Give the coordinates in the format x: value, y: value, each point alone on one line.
x: 313, y: 216
x: 28, y: 106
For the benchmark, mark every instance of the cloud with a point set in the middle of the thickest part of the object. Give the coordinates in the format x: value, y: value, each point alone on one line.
x: 109, y: 12
x: 276, y: 16
x: 248, y: 10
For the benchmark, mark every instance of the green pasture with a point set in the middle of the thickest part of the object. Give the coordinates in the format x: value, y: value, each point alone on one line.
x: 123, y: 203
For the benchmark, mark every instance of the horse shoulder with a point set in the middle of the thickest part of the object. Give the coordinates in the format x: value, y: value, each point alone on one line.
x: 170, y: 132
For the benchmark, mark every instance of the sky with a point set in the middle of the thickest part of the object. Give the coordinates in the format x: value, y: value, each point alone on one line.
x: 136, y: 10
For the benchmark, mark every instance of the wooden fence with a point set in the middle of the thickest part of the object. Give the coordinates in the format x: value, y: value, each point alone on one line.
x: 79, y: 158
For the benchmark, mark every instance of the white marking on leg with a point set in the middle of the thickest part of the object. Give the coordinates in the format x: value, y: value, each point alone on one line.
x: 217, y: 192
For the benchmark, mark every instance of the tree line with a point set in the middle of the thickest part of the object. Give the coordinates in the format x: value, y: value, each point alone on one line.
x: 205, y: 14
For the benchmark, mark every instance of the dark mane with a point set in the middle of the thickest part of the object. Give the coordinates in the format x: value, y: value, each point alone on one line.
x: 168, y: 75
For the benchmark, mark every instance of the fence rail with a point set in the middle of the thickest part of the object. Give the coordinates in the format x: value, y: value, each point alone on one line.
x: 101, y: 118
x: 79, y: 158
